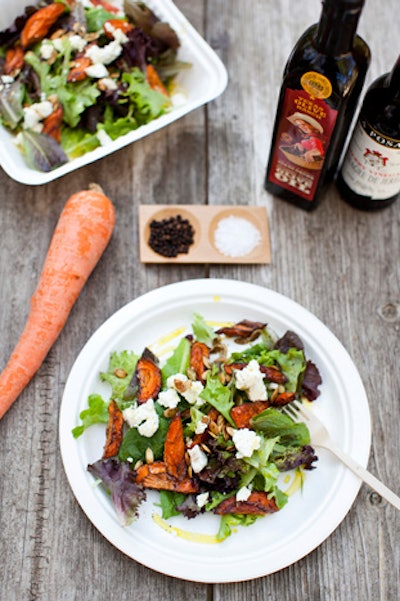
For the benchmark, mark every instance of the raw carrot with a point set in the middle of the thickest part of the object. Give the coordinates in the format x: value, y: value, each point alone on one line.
x: 80, y: 237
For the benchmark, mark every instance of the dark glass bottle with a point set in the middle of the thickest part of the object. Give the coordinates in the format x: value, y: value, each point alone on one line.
x: 322, y: 82
x: 369, y: 178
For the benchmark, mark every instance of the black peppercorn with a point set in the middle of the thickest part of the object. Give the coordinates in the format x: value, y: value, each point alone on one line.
x: 172, y: 236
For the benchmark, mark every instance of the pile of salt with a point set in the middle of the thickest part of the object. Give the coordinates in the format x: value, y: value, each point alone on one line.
x: 236, y: 237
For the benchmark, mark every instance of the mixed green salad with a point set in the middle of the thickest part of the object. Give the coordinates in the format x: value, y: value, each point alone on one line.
x: 206, y: 428
x: 77, y: 74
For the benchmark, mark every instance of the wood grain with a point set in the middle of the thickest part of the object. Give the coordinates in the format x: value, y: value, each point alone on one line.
x: 341, y: 264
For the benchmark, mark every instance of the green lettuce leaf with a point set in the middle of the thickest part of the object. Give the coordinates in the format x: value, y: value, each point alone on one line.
x: 178, y: 363
x: 230, y: 522
x: 169, y: 501
x: 219, y: 396
x: 119, y: 373
x: 274, y: 424
x: 77, y: 97
x: 96, y: 413
x: 77, y: 142
x: 148, y: 103
x: 96, y: 17
x: 202, y: 331
x: 134, y: 445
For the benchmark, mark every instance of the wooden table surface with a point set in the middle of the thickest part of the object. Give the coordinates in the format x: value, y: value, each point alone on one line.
x: 339, y: 263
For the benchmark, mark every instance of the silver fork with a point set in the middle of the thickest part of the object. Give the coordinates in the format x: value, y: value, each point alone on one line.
x: 320, y: 437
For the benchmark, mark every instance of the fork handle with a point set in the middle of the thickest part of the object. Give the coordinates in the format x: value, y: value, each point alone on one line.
x: 366, y: 476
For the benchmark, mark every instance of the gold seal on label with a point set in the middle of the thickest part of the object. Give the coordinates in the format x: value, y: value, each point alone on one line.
x: 317, y: 85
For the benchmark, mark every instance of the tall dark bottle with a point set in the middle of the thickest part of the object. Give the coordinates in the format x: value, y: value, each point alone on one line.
x: 370, y: 175
x: 322, y: 82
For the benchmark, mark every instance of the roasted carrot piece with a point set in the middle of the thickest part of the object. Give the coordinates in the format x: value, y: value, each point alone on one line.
x: 78, y: 69
x: 154, y: 81
x: 114, y: 432
x: 242, y: 414
x: 106, y: 5
x: 198, y: 353
x: 39, y: 24
x: 283, y: 399
x: 80, y: 238
x: 174, y: 449
x: 243, y: 329
x: 14, y: 60
x: 155, y: 475
x: 258, y: 503
x: 148, y: 376
x: 119, y: 24
x: 52, y: 124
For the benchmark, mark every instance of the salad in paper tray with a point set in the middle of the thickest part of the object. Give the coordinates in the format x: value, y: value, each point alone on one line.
x: 206, y: 428
x: 82, y: 78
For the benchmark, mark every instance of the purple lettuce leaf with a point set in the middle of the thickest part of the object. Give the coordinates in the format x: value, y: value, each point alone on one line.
x: 311, y: 380
x: 289, y: 340
x: 118, y: 478
x: 294, y: 457
x: 189, y: 507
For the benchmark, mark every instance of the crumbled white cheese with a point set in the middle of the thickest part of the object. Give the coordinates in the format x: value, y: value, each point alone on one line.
x: 246, y: 442
x: 178, y: 99
x: 189, y: 389
x: 77, y: 42
x: 201, y: 427
x: 250, y: 379
x: 107, y: 83
x: 243, y: 494
x: 97, y: 71
x: 168, y: 398
x: 202, y: 499
x: 143, y: 417
x: 198, y: 459
x: 46, y: 49
x: 104, y: 55
x: 6, y: 79
x: 35, y: 113
x: 103, y: 137
x: 117, y: 34
x: 58, y: 44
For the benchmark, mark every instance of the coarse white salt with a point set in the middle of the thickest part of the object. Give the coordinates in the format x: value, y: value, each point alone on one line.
x: 236, y: 237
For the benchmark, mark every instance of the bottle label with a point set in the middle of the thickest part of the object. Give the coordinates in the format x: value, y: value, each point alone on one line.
x: 304, y: 130
x: 372, y: 164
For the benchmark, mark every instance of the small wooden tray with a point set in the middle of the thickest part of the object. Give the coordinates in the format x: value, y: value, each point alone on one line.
x: 204, y: 220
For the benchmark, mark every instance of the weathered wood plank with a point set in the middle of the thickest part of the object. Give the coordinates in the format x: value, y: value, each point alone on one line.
x: 341, y: 264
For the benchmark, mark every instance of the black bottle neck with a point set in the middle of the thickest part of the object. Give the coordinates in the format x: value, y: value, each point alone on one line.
x: 393, y: 81
x: 337, y: 27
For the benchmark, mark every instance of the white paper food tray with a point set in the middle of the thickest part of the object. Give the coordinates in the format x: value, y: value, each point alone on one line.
x: 203, y: 82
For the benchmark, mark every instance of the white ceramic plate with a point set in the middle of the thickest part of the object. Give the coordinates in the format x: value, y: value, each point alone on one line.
x: 204, y: 81
x: 273, y: 542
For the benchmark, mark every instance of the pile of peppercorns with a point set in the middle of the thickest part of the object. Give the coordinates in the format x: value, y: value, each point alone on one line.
x: 171, y: 237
